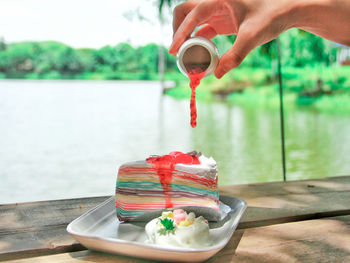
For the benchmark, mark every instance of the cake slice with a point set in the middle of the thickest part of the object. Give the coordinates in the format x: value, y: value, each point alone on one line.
x: 173, y: 180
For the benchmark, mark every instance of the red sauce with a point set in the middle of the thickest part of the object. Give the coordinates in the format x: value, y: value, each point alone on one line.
x: 195, y: 76
x: 164, y: 165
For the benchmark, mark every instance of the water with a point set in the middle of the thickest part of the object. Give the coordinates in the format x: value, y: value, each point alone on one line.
x: 66, y: 139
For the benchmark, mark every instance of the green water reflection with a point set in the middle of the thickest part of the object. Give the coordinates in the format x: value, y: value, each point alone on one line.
x: 247, y: 146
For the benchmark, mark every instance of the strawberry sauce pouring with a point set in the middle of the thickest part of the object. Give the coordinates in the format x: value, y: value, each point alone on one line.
x: 195, y: 76
x: 196, y: 58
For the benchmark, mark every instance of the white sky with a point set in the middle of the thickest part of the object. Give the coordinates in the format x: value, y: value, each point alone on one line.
x: 84, y: 23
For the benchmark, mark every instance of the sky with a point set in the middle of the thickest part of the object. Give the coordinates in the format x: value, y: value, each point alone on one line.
x: 84, y: 23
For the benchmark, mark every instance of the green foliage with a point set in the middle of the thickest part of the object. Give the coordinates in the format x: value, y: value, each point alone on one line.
x: 161, y: 5
x: 323, y: 88
x: 338, y: 103
x: 310, y: 74
x: 300, y: 48
x: 53, y: 60
x: 47, y: 59
x: 168, y: 226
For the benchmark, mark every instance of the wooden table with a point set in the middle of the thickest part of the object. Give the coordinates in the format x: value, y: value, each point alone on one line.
x: 297, y: 221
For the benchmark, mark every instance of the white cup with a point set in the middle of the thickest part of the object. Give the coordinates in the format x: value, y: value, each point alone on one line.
x: 197, y: 53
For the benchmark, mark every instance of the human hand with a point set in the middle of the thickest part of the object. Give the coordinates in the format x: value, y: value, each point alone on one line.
x: 255, y: 22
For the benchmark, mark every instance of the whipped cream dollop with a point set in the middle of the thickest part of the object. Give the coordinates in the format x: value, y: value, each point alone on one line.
x: 210, y: 162
x: 179, y: 229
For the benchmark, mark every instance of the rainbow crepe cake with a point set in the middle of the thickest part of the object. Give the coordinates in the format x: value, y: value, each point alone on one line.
x: 173, y: 180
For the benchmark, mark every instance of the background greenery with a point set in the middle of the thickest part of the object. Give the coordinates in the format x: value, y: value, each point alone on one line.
x: 312, y: 73
x: 54, y: 60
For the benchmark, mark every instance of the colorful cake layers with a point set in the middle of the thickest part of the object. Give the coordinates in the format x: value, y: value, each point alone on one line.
x: 172, y: 180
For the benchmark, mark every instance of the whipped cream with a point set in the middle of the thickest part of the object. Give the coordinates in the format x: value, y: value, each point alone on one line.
x: 209, y: 162
x: 179, y: 229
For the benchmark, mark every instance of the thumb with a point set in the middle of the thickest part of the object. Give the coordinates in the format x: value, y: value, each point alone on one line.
x: 243, y: 44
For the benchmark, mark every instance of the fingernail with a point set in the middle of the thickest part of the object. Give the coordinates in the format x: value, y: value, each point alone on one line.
x: 218, y: 74
x: 171, y: 51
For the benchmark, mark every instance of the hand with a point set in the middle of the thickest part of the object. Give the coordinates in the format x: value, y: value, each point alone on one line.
x: 256, y: 22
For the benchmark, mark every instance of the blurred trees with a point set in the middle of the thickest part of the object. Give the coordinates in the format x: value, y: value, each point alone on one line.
x: 51, y: 59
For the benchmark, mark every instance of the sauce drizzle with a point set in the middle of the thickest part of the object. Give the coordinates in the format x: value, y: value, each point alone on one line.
x: 164, y: 165
x: 195, y: 76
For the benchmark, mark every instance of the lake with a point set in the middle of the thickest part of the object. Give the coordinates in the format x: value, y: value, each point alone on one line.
x: 66, y: 139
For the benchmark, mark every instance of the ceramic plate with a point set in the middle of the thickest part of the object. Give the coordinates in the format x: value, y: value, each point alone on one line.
x: 99, y: 229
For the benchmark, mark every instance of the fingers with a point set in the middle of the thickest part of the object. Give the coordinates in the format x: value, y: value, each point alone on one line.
x: 199, y: 14
x: 243, y: 44
x: 206, y: 32
x: 180, y: 12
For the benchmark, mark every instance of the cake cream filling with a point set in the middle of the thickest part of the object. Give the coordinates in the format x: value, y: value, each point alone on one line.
x: 207, y: 167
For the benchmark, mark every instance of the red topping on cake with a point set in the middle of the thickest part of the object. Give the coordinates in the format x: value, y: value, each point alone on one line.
x: 164, y: 165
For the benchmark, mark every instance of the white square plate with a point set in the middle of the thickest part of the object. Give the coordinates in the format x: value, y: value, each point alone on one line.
x: 99, y: 229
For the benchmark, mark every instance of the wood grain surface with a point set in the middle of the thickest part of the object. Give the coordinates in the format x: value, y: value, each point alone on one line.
x: 318, y: 240
x: 39, y: 228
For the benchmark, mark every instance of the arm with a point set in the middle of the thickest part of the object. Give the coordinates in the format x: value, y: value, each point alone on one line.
x: 329, y: 19
x: 256, y: 22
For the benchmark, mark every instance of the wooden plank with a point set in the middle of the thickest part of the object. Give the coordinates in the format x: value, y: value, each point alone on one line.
x: 280, y: 202
x: 39, y: 227
x: 294, y: 207
x: 81, y: 256
x: 31, y: 215
x: 321, y: 240
x: 330, y: 184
